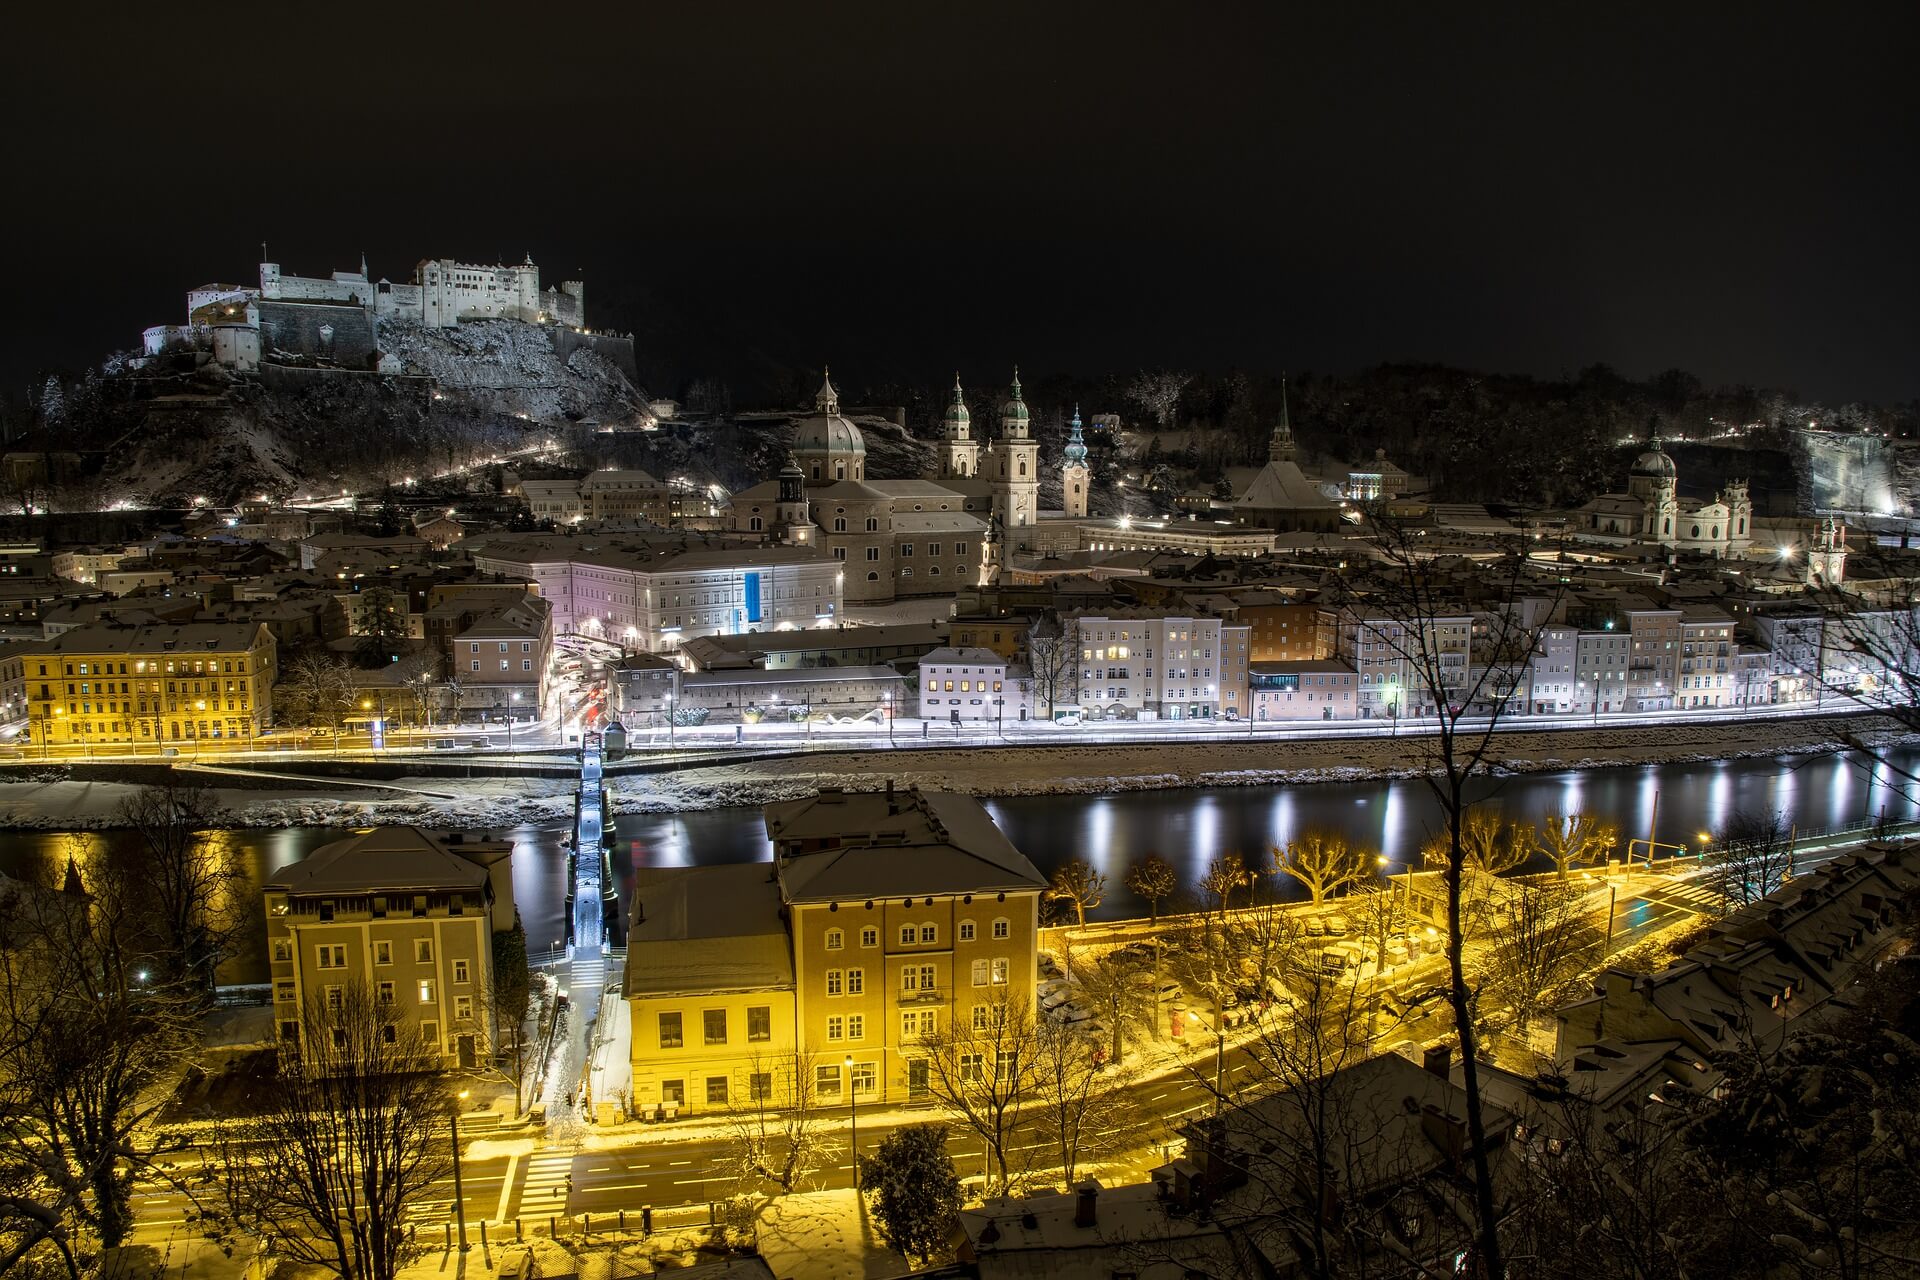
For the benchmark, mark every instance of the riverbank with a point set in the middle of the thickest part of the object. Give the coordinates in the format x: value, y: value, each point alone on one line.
x: 55, y: 803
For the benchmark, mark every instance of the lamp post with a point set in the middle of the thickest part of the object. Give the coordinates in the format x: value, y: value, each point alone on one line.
x: 513, y: 698
x: 853, y: 1117
x: 887, y: 713
x: 459, y: 1202
x: 669, y: 721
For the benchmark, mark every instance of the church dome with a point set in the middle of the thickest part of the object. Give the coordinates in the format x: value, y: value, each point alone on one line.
x: 957, y: 418
x: 824, y: 431
x: 1655, y: 463
x: 827, y: 433
x: 1076, y: 450
x: 1015, y: 409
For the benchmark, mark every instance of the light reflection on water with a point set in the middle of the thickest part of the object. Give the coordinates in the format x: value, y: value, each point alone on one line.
x: 1189, y: 828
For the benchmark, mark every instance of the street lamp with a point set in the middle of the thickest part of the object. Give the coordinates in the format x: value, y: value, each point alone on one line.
x: 853, y: 1115
x: 459, y: 1202
x: 515, y: 697
x: 887, y: 714
x: 669, y: 722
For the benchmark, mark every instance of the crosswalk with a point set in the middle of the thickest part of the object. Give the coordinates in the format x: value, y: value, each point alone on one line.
x: 1688, y: 895
x: 549, y: 1183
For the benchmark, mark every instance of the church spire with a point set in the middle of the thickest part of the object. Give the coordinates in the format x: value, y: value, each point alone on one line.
x: 826, y: 400
x: 1013, y: 414
x: 1281, y: 448
x: 957, y: 420
x: 1076, y: 450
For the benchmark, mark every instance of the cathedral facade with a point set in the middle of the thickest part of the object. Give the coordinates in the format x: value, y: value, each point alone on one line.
x: 1652, y: 513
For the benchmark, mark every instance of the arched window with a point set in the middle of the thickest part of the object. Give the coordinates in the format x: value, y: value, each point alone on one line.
x: 835, y: 939
x: 1023, y: 466
x: 1716, y: 532
x: 906, y: 571
x: 873, y: 524
x: 1666, y: 526
x: 873, y: 577
x: 753, y: 524
x: 839, y: 524
x: 839, y: 471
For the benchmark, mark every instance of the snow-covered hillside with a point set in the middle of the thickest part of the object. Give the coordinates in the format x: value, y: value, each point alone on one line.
x: 515, y: 369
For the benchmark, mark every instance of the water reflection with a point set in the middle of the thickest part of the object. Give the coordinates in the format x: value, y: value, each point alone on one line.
x: 1188, y: 828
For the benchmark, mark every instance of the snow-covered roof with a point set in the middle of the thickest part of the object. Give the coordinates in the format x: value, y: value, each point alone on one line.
x: 892, y: 844
x: 1282, y: 486
x: 706, y: 929
x: 390, y: 859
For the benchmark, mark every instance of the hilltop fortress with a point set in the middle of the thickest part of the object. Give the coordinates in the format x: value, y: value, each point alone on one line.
x: 336, y: 320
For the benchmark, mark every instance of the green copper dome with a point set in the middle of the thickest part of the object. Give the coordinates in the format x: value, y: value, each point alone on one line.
x: 957, y: 415
x: 1015, y: 409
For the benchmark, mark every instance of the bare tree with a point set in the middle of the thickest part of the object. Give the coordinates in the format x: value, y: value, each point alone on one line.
x: 1377, y: 916
x: 1324, y: 862
x: 195, y: 892
x: 1053, y: 652
x: 1079, y: 1109
x: 982, y: 1070
x: 1158, y: 394
x: 350, y: 1134
x: 1577, y: 838
x: 1469, y: 676
x: 1539, y: 940
x: 316, y: 690
x: 90, y: 1038
x: 1152, y: 879
x: 1114, y: 986
x: 779, y: 1134
x: 1751, y: 856
x: 1490, y: 845
x: 1079, y: 886
x: 1225, y: 875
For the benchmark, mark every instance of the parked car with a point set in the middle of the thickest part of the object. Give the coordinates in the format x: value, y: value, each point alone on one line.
x: 1316, y: 927
x: 1048, y: 965
x: 1337, y: 925
x: 1070, y: 1014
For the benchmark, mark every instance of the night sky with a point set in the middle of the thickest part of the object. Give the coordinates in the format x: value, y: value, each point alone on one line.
x: 902, y: 189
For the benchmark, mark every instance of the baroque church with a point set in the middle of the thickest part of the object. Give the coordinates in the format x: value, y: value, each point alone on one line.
x: 1652, y: 513
x: 954, y: 529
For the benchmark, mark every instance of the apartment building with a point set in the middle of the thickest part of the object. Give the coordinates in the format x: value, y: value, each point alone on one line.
x: 409, y: 914
x: 883, y: 918
x: 959, y: 685
x: 1384, y: 652
x: 114, y: 684
x: 502, y: 661
x: 1156, y: 666
x: 1708, y: 653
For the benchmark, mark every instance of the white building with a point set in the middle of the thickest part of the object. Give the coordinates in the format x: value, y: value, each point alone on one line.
x: 959, y: 685
x: 650, y: 593
x: 1651, y: 512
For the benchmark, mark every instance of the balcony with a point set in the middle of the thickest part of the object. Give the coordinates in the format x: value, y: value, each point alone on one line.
x: 923, y: 995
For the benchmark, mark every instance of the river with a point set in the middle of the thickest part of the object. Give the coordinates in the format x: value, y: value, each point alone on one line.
x: 1187, y: 827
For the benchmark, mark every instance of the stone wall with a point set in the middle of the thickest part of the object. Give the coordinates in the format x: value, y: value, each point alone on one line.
x: 618, y: 350
x: 342, y: 334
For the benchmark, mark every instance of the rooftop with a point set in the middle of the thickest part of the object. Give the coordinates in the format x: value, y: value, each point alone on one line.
x: 844, y: 845
x: 388, y: 859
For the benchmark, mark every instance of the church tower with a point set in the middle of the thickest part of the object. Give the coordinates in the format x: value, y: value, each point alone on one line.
x: 959, y: 451
x: 1280, y: 447
x: 1016, y: 477
x: 791, y: 522
x: 1074, y: 476
x: 1739, y: 517
x: 1827, y: 558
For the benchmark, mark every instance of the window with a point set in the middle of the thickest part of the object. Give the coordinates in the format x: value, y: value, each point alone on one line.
x: 670, y: 1031
x: 282, y: 949
x: 716, y: 1025
x: 834, y: 939
x: 981, y: 1020
x: 430, y: 1032
x: 760, y: 1086
x: 463, y: 1008
x: 839, y: 524
x: 869, y: 937
x: 917, y: 1022
x: 917, y: 1078
x: 460, y: 971
x: 969, y: 1068
x: 906, y: 935
x: 385, y: 992
x: 873, y: 553
x: 673, y: 1092
x: 332, y: 957
x: 966, y: 931
x: 1002, y: 928
x: 856, y: 1026
x: 759, y: 1022
x: 835, y: 982
x: 926, y: 977
x: 716, y: 1091
x: 873, y: 524
x: 826, y: 1081
x: 929, y: 933
x: 864, y: 1077
x: 980, y: 971
x: 856, y: 982
x: 422, y: 951
x: 426, y: 991
x: 999, y: 971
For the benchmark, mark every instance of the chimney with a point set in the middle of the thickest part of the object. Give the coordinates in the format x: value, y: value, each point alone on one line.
x: 1439, y: 1061
x: 1086, y: 1196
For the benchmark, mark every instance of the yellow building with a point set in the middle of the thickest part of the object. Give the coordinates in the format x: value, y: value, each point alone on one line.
x: 113, y: 685
x: 408, y: 913
x: 883, y: 918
